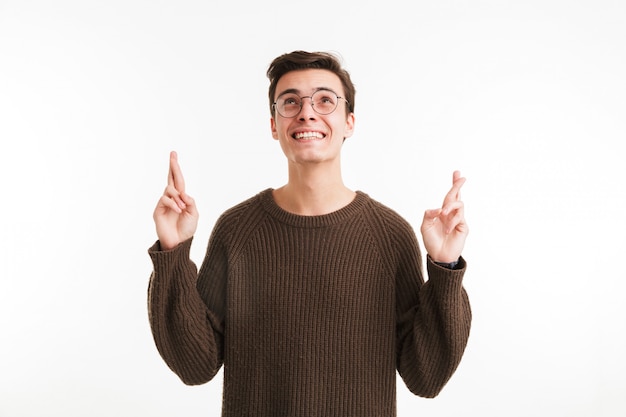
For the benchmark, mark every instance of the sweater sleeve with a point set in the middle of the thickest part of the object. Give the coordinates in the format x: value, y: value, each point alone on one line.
x: 187, y: 334
x: 433, y: 319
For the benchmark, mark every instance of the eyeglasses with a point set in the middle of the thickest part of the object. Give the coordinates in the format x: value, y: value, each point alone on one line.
x: 322, y: 101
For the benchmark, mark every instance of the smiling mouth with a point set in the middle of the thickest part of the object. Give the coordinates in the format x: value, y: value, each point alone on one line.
x: 308, y: 135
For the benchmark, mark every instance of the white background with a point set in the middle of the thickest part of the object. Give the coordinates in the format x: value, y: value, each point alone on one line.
x: 526, y: 98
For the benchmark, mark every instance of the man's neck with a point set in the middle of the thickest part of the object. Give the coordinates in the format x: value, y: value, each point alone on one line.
x: 313, y: 192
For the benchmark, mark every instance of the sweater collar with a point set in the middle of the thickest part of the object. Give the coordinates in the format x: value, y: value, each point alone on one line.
x: 345, y: 213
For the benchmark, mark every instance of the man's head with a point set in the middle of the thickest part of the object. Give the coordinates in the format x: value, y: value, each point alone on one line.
x: 300, y: 60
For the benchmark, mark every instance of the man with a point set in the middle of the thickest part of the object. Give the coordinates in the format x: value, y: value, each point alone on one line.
x: 311, y: 295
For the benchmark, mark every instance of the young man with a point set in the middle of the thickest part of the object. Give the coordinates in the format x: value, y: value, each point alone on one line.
x: 311, y: 295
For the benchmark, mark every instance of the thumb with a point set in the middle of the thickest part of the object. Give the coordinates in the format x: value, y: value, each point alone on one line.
x: 432, y: 214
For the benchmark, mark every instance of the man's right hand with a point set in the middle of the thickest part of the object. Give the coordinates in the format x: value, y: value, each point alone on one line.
x: 175, y: 216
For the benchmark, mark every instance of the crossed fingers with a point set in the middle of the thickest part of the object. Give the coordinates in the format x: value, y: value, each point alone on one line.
x: 174, y: 194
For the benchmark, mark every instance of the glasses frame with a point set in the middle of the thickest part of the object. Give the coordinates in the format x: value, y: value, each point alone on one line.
x: 275, y: 107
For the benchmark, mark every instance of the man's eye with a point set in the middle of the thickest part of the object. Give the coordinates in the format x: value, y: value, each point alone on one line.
x: 326, y: 100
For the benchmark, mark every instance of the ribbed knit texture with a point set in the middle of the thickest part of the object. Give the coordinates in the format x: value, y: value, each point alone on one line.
x: 310, y: 315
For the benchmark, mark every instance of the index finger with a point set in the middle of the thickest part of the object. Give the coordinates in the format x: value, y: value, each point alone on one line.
x: 175, y: 175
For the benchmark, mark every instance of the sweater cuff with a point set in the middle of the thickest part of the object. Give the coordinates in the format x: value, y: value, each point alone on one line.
x: 458, y: 264
x: 436, y: 269
x: 156, y: 247
x: 166, y: 258
x: 444, y: 278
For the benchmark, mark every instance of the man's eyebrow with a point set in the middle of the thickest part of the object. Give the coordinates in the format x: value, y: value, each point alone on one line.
x: 298, y: 92
x: 289, y: 91
x: 325, y: 89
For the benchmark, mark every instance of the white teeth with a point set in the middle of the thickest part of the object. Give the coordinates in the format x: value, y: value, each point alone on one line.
x: 308, y: 135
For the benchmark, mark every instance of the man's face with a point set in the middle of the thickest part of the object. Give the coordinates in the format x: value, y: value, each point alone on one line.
x: 310, y: 137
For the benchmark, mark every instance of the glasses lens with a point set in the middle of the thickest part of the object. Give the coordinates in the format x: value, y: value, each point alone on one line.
x: 288, y: 105
x: 324, y: 101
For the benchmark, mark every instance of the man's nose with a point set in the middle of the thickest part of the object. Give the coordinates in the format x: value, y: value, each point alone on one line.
x: 307, y: 112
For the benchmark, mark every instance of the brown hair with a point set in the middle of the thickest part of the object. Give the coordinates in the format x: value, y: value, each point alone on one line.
x: 299, y: 60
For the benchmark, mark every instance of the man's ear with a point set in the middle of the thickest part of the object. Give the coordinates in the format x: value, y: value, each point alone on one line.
x: 349, y: 126
x: 273, y: 127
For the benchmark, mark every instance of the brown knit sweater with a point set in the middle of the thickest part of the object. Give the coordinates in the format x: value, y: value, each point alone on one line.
x: 310, y: 315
